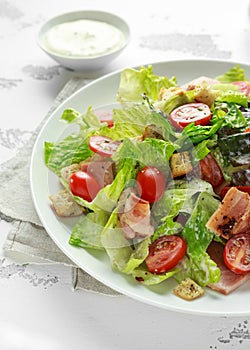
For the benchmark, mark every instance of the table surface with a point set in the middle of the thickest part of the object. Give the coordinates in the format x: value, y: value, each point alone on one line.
x: 39, y: 310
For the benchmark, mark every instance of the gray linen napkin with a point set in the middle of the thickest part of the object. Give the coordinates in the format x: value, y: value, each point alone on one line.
x: 28, y: 242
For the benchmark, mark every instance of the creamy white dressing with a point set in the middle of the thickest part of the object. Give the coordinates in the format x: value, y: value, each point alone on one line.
x: 83, y: 38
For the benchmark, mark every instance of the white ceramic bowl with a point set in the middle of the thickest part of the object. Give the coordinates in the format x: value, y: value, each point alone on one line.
x: 85, y: 63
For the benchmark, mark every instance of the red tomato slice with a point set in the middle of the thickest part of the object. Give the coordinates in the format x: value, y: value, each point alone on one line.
x: 198, y: 113
x: 103, y: 145
x: 240, y: 188
x: 165, y: 253
x: 151, y: 183
x: 244, y: 86
x: 247, y: 130
x: 84, y: 185
x: 237, y: 253
x: 211, y: 171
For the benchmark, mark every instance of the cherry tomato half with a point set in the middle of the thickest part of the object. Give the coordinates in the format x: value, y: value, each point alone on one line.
x: 244, y: 86
x: 151, y: 183
x: 84, y: 185
x: 198, y: 113
x: 237, y: 253
x: 165, y: 253
x: 103, y: 145
x: 211, y: 171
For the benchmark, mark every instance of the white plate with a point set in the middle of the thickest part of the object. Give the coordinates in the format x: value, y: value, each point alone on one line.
x: 43, y: 183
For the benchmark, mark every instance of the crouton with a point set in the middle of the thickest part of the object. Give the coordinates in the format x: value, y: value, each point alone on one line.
x: 165, y: 94
x: 64, y: 204
x: 152, y: 131
x: 180, y: 164
x: 205, y: 94
x: 188, y: 290
x: 67, y: 171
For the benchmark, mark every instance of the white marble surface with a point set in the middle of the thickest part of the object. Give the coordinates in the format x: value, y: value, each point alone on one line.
x: 39, y: 310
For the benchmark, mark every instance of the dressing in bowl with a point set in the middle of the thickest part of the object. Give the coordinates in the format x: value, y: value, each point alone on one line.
x: 84, y: 40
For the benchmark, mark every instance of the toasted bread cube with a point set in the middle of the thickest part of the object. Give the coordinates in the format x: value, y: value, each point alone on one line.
x: 180, y: 164
x: 67, y: 171
x: 205, y: 94
x: 152, y: 131
x: 64, y: 204
x: 188, y: 290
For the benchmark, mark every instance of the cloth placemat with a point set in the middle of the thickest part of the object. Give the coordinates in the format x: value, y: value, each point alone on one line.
x: 28, y: 242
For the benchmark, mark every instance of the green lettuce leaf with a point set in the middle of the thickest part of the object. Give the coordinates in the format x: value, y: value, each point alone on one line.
x: 193, y: 134
x: 124, y: 255
x: 73, y: 149
x: 107, y: 198
x: 201, y: 269
x: 233, y: 97
x: 87, y: 231
x: 198, y: 237
x: 131, y: 120
x: 151, y: 152
x: 136, y: 82
x: 228, y: 114
x: 179, y: 198
x: 142, y: 275
x: 234, y: 74
x: 86, y: 121
x: 202, y: 149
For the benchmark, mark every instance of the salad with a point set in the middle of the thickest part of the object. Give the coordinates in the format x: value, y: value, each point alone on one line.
x: 160, y: 181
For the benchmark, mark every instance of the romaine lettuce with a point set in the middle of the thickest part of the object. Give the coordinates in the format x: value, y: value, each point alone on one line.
x: 136, y: 82
x: 106, y: 199
x: 87, y: 231
x: 131, y: 120
x: 151, y: 152
x: 199, y: 266
x: 124, y: 255
x: 179, y: 198
x: 73, y: 149
x: 234, y: 74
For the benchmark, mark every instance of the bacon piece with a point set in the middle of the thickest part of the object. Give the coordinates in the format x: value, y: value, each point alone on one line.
x: 232, y: 216
x: 101, y: 170
x: 229, y: 281
x: 134, y: 215
x: 100, y: 167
